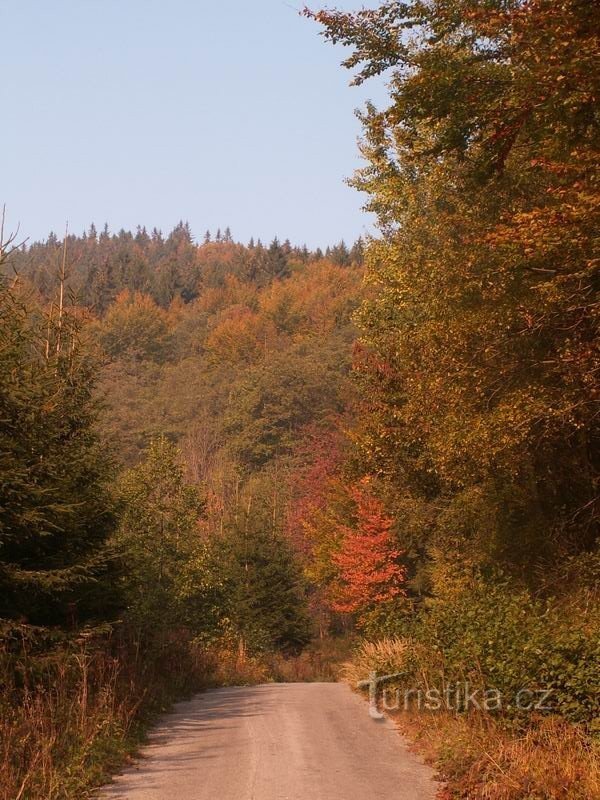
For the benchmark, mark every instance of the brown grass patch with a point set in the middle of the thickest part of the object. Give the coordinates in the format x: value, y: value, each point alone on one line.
x: 480, y: 759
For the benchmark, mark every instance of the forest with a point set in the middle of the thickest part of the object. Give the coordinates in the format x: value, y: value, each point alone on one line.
x: 225, y: 462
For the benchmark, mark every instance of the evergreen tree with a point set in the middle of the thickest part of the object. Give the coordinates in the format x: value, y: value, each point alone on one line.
x: 168, y: 583
x: 55, y: 512
x: 102, y: 286
x: 276, y: 265
x: 263, y: 588
x: 357, y: 252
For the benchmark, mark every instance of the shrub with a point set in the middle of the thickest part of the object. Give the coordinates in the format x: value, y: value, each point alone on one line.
x: 494, y: 636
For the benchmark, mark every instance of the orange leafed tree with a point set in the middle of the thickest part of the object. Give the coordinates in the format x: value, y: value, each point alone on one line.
x: 369, y: 570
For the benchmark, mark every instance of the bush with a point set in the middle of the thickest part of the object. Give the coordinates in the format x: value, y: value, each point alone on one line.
x: 494, y: 636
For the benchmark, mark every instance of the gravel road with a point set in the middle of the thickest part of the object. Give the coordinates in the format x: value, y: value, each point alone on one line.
x: 287, y: 741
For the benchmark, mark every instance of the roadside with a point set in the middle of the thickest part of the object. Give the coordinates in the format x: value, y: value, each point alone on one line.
x: 477, y: 754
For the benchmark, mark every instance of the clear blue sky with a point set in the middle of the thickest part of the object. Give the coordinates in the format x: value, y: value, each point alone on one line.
x: 219, y: 112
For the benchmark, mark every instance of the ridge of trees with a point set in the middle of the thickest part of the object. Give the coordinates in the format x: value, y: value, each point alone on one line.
x: 166, y: 267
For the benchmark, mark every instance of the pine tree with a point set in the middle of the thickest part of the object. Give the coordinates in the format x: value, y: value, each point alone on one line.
x: 55, y: 512
x: 276, y: 265
x: 263, y: 588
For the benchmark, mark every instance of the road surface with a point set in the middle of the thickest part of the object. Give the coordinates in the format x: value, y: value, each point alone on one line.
x: 286, y: 741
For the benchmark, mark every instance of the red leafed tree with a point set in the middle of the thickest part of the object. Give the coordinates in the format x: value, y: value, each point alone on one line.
x: 319, y: 453
x: 369, y: 572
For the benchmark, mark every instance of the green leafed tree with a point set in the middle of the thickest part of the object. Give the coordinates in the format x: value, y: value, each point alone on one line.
x: 168, y: 583
x: 264, y: 592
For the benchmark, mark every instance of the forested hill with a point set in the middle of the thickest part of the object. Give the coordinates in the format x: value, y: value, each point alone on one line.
x: 225, y: 365
x: 200, y: 340
x: 164, y: 267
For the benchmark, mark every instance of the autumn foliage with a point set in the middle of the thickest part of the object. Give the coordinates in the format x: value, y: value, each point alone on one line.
x: 477, y: 364
x: 369, y: 571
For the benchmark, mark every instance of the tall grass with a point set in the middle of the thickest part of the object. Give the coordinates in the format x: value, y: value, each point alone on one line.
x: 480, y: 759
x: 69, y: 718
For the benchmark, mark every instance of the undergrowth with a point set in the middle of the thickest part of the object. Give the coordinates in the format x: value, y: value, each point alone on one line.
x: 488, y: 638
x: 69, y: 717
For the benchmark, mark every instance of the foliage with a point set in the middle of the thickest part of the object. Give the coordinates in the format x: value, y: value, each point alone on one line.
x: 496, y: 637
x: 478, y: 359
x: 73, y: 715
x: 477, y: 368
x: 167, y: 268
x: 135, y: 326
x: 168, y: 581
x: 478, y: 759
x: 55, y: 510
x: 369, y: 572
x: 263, y: 588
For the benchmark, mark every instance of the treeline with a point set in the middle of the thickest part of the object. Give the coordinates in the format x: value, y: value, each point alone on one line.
x: 164, y: 267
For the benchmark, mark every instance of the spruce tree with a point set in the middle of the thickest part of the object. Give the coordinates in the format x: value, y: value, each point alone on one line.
x: 167, y: 584
x: 264, y: 594
x: 55, y: 512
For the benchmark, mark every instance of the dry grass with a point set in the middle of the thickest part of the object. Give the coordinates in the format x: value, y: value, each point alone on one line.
x: 234, y: 666
x: 481, y: 760
x: 69, y: 719
x: 385, y: 657
x: 480, y: 757
x: 321, y: 661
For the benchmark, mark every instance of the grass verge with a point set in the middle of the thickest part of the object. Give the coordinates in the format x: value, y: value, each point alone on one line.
x: 71, y: 716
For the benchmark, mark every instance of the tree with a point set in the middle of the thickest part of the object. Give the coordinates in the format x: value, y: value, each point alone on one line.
x: 263, y: 590
x: 276, y: 265
x: 56, y: 515
x: 135, y: 326
x: 101, y: 287
x: 479, y: 352
x: 276, y: 398
x: 168, y: 582
x: 370, y: 574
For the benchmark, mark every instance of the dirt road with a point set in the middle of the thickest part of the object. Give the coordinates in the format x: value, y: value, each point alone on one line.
x: 290, y: 741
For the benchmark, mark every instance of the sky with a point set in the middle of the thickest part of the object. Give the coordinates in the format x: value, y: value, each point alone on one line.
x: 144, y: 112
